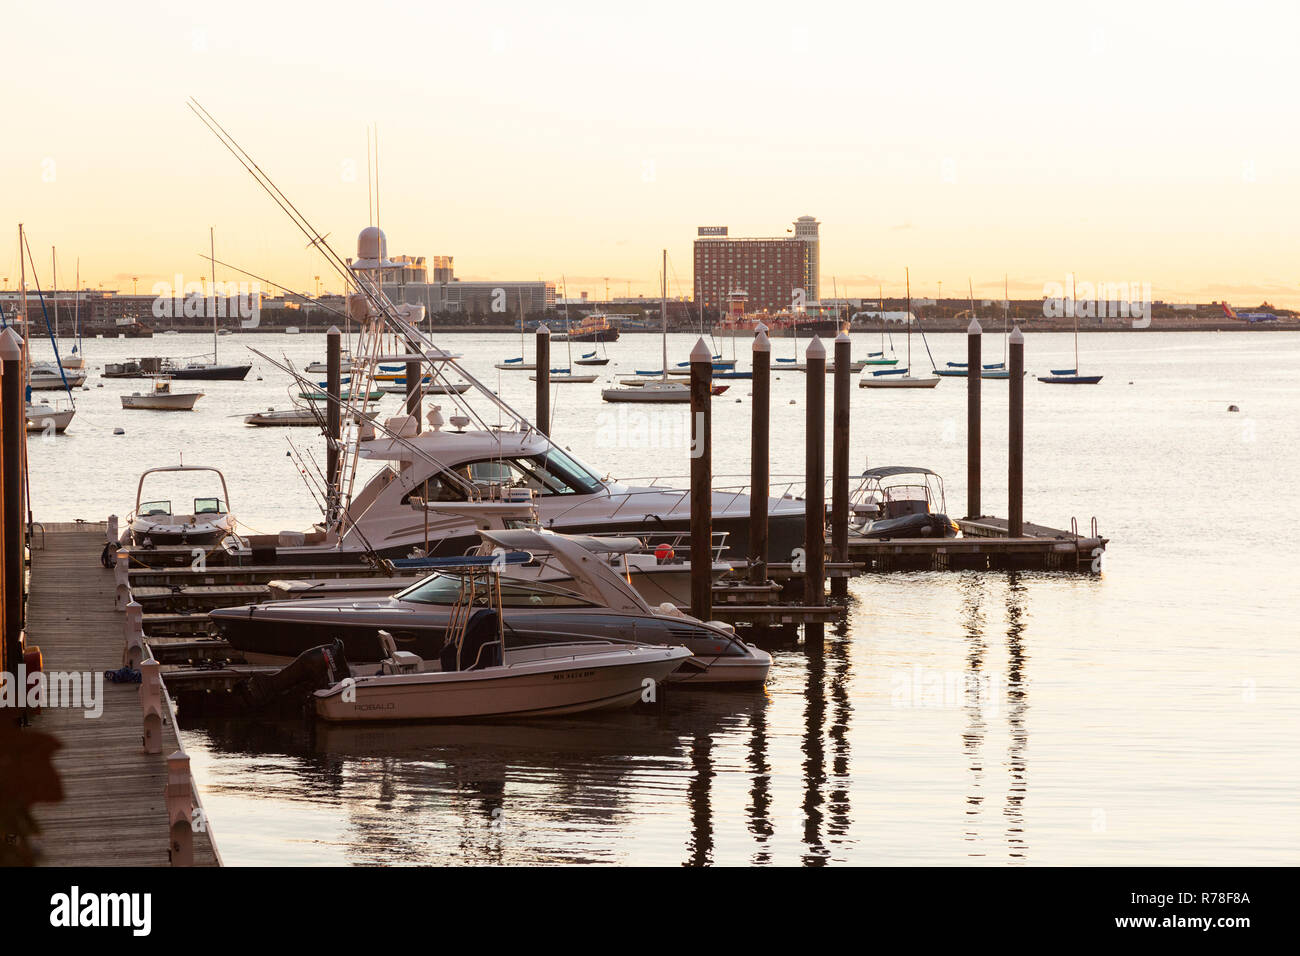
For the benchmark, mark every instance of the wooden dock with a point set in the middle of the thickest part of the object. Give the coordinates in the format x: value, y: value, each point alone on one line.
x: 113, y: 811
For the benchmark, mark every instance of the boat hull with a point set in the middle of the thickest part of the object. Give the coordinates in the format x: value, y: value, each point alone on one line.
x: 210, y: 373
x: 901, y: 381
x: 552, y: 685
x: 182, y: 402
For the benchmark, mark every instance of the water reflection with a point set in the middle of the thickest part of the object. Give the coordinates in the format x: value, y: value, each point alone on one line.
x: 1017, y: 705
x: 973, y: 737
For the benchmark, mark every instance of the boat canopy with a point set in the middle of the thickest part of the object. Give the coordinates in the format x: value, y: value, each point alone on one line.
x: 889, y: 471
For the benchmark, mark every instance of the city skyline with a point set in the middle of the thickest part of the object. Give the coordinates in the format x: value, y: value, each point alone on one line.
x: 960, y: 152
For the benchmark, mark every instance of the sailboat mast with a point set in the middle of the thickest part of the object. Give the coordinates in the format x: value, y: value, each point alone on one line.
x: 54, y: 293
x: 908, y: 274
x: 663, y: 312
x: 1074, y: 307
x: 76, y: 308
x: 212, y: 278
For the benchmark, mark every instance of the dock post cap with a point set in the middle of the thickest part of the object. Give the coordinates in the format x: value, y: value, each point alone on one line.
x: 815, y: 348
x: 701, y: 352
x: 11, y: 345
x: 759, y: 329
x: 761, y: 344
x: 543, y: 329
x: 842, y: 337
x: 1017, y: 337
x: 974, y: 328
x: 334, y: 330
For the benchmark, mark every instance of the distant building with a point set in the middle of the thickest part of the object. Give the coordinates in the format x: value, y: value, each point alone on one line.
x: 441, y: 291
x: 778, y: 273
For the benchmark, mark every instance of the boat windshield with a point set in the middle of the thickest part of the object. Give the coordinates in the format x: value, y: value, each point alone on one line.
x: 208, y: 506
x: 151, y: 508
x: 445, y: 589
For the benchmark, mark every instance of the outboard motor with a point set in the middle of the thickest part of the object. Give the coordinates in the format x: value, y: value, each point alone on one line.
x: 291, y: 686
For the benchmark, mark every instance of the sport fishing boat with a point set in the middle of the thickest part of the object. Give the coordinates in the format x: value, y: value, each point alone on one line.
x: 161, y: 398
x: 370, y: 511
x: 154, y: 522
x: 592, y: 601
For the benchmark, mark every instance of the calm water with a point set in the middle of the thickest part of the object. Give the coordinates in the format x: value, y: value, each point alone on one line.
x: 1145, y: 715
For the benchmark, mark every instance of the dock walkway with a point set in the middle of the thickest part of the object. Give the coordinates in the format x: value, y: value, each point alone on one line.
x: 113, y: 811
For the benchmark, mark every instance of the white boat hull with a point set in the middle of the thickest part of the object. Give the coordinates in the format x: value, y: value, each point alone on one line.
x: 533, y: 682
x: 650, y: 392
x: 42, y: 417
x: 898, y: 381
x: 169, y: 402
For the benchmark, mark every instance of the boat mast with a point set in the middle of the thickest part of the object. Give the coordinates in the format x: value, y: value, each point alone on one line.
x: 212, y: 278
x: 1074, y: 307
x: 663, y: 313
x: 76, y: 310
x: 908, y: 273
x: 54, y: 293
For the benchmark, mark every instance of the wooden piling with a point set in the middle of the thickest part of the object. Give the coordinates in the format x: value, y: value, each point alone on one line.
x: 14, y: 425
x: 974, y: 377
x: 1016, y: 435
x: 701, y: 482
x: 815, y: 493
x: 333, y: 411
x: 543, y: 379
x: 414, y: 385
x: 840, y: 461
x: 759, y: 464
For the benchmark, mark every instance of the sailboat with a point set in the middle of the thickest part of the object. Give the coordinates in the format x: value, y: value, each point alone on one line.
x: 993, y: 370
x: 201, y: 369
x: 900, y: 377
x: 518, y: 364
x: 1071, y: 376
x: 560, y: 376
x: 662, y: 390
x: 43, y: 417
x: 880, y: 358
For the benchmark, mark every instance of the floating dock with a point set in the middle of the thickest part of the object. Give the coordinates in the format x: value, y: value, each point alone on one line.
x: 114, y: 810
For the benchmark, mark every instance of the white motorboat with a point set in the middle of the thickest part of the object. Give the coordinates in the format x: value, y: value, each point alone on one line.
x: 44, y: 417
x: 49, y: 377
x: 161, y: 398
x: 154, y: 522
x: 539, y: 681
x: 575, y: 596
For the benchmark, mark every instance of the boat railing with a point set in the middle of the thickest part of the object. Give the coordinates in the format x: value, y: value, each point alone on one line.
x: 679, y: 497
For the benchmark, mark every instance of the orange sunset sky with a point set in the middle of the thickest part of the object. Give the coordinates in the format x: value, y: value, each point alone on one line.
x: 1121, y: 141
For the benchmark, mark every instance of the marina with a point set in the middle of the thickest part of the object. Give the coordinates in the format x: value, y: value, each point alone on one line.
x: 175, y: 599
x: 563, y: 471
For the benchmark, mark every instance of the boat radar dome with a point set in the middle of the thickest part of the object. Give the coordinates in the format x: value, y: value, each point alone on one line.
x: 372, y: 250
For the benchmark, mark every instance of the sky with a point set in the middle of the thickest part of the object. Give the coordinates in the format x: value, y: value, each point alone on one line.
x: 1123, y: 142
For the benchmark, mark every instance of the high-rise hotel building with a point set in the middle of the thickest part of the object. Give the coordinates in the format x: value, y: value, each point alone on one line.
x: 777, y: 274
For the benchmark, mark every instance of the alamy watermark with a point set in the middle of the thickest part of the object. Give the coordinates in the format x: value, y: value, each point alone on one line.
x: 1098, y: 300
x: 213, y: 300
x: 83, y: 689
